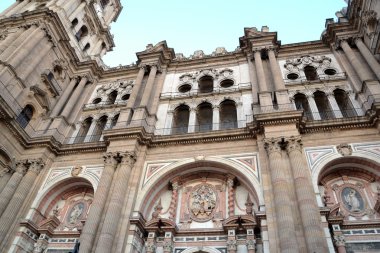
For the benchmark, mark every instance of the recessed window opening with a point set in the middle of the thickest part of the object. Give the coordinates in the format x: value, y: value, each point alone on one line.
x: 204, y: 117
x: 344, y: 103
x: 184, y: 88
x: 323, y: 105
x: 226, y: 83
x: 25, y: 116
x: 83, y: 32
x: 303, y: 104
x: 125, y: 97
x: 228, y: 115
x: 181, y: 119
x: 310, y: 73
x: 206, y: 84
x: 112, y: 97
x: 292, y: 76
x: 74, y: 22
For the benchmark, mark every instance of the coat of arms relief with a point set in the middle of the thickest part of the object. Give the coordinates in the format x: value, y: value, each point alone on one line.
x: 202, y: 202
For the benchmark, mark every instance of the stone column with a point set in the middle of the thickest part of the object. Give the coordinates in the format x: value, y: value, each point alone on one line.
x: 313, y: 107
x: 240, y: 115
x: 231, y: 241
x: 282, y: 205
x: 251, y: 241
x: 168, y: 242
x: 19, y: 42
x: 275, y: 69
x: 334, y: 105
x: 27, y: 67
x: 192, y: 120
x: 231, y: 205
x: 149, y: 86
x: 63, y: 99
x: 11, y: 38
x: 368, y: 56
x: 88, y: 234
x: 340, y: 243
x: 173, y: 203
x: 362, y: 71
x: 357, y: 108
x: 158, y: 90
x: 26, y: 184
x: 74, y: 97
x: 112, y: 217
x: 11, y: 186
x: 215, y: 117
x: 42, y: 243
x: 168, y: 123
x: 126, y: 114
x: 260, y: 71
x: 28, y: 47
x: 307, y: 202
x: 150, y: 244
x: 5, y: 175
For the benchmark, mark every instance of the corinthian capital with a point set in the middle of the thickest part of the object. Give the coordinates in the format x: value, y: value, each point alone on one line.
x: 294, y: 144
x: 110, y: 158
x: 36, y: 165
x: 21, y: 166
x: 274, y: 145
x: 128, y: 158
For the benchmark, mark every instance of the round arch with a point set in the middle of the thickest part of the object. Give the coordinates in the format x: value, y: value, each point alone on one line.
x: 362, y: 161
x: 50, y: 193
x: 218, y: 164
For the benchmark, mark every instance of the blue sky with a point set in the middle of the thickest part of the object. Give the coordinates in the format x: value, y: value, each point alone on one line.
x: 189, y: 25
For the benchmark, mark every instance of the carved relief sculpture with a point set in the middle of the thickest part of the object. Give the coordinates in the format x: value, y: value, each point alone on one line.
x: 202, y: 203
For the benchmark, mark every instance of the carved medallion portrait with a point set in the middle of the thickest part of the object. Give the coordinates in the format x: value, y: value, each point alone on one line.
x: 75, y: 213
x: 202, y: 202
x: 352, y: 200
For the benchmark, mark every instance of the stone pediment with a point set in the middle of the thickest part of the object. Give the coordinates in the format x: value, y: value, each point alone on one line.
x: 160, y: 48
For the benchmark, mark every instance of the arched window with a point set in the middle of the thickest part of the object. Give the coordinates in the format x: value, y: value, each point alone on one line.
x: 204, y: 117
x: 310, y: 73
x: 344, y: 103
x: 206, y: 84
x: 181, y: 119
x: 100, y: 125
x: 86, y: 47
x: 323, y: 105
x: 303, y: 104
x: 74, y: 22
x: 114, y: 121
x: 228, y: 115
x: 112, y: 97
x: 83, y: 131
x: 25, y: 116
x: 83, y: 31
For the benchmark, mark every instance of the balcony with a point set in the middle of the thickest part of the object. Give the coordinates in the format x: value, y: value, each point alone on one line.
x: 198, y: 93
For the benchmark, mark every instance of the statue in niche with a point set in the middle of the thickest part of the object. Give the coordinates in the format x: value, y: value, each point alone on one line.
x: 202, y: 203
x: 75, y: 213
x: 352, y: 200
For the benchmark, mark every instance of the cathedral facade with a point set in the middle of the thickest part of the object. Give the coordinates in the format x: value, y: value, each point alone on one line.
x: 268, y: 148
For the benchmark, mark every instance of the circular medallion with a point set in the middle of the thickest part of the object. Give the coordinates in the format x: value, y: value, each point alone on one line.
x: 352, y: 200
x: 202, y: 203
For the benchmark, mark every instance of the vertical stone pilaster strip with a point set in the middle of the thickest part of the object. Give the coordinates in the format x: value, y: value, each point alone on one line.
x: 230, y: 185
x: 5, y: 175
x: 89, y: 230
x: 340, y: 243
x: 276, y: 72
x: 149, y: 86
x: 368, y: 56
x: 260, y: 71
x: 282, y: 204
x: 74, y: 97
x: 10, y: 213
x: 112, y: 217
x: 173, y: 203
x: 63, y: 99
x: 307, y: 202
x: 361, y: 70
x: 11, y: 186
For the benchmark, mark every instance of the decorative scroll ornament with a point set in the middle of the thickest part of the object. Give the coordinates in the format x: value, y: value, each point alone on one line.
x: 202, y: 203
x: 300, y: 63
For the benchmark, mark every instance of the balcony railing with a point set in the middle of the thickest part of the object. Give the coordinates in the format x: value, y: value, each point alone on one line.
x: 105, y: 104
x: 321, y: 77
x: 196, y: 92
